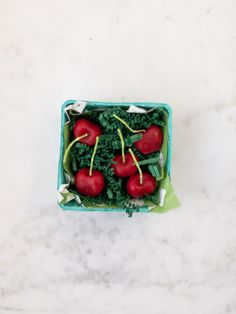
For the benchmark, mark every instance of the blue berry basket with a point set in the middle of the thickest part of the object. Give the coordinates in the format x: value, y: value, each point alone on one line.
x: 167, y: 197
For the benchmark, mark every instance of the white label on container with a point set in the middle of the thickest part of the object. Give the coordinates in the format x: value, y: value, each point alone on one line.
x: 134, y: 109
x: 162, y: 197
x: 161, y: 160
x: 78, y: 106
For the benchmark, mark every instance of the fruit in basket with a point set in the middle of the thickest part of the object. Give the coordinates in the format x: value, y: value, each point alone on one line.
x: 136, y: 189
x: 151, y: 141
x: 84, y: 126
x: 89, y: 184
x: 88, y: 181
x: 124, y: 167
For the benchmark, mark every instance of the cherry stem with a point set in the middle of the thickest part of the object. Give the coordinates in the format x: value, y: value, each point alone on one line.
x: 71, y: 144
x: 137, y: 165
x: 125, y: 124
x: 93, y: 155
x: 122, y: 145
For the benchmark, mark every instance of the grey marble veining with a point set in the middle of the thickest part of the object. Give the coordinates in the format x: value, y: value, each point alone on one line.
x: 179, y: 52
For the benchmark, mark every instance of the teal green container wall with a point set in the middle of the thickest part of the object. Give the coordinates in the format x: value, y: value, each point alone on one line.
x: 61, y: 177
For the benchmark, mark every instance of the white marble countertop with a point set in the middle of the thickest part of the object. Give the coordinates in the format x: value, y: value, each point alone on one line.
x: 179, y: 52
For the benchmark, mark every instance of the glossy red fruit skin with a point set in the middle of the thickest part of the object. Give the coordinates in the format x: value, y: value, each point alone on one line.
x: 124, y: 169
x: 151, y: 141
x: 135, y: 189
x: 89, y: 185
x: 83, y: 126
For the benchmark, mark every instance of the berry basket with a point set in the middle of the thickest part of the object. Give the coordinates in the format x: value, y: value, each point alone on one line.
x: 159, y: 165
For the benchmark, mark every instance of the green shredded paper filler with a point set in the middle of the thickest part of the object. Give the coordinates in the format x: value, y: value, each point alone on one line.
x: 114, y: 196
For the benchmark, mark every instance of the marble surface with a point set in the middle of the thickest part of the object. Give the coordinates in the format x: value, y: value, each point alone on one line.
x: 179, y: 52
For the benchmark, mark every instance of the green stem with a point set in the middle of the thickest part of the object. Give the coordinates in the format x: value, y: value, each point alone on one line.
x: 71, y: 144
x: 93, y: 155
x: 137, y: 165
x: 125, y: 124
x: 122, y: 145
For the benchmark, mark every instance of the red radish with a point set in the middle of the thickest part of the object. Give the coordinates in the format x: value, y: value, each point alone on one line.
x: 137, y: 189
x: 84, y: 126
x: 124, y: 168
x: 151, y: 140
x: 90, y: 185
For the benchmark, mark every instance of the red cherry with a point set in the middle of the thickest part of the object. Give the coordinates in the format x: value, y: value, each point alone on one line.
x: 135, y: 189
x: 151, y: 140
x: 83, y: 126
x: 89, y: 185
x: 124, y: 169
